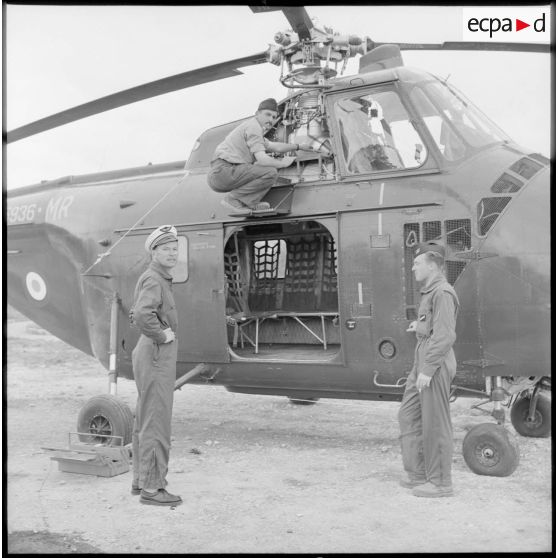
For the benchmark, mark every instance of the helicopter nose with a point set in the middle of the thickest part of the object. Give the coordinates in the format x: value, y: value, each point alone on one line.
x: 512, y: 284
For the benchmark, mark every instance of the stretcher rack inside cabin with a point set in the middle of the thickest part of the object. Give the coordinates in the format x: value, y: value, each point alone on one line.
x: 89, y: 458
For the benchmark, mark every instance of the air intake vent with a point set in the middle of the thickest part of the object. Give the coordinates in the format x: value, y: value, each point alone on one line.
x: 506, y: 184
x: 453, y: 270
x: 526, y: 167
x: 458, y: 234
x: 488, y: 210
x: 540, y: 158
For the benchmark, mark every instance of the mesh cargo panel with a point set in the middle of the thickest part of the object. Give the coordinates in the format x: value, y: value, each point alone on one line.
x: 488, y: 210
x: 263, y: 279
x: 458, y: 234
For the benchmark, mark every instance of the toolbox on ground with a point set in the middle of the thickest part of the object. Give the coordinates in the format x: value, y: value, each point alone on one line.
x: 89, y: 458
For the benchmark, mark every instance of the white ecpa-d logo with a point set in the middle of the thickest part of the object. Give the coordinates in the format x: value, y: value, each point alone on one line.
x: 507, y: 24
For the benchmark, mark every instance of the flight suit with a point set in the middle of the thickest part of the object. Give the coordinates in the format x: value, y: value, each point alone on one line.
x: 234, y: 168
x: 424, y: 418
x: 154, y: 364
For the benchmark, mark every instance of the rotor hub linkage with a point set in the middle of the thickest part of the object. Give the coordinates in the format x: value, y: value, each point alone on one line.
x: 323, y: 46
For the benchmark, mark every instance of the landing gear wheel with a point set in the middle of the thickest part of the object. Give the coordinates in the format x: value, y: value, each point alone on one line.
x: 489, y: 449
x: 304, y: 400
x: 107, y: 415
x: 540, y: 426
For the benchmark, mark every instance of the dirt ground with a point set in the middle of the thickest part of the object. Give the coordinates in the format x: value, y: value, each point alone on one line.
x: 266, y: 476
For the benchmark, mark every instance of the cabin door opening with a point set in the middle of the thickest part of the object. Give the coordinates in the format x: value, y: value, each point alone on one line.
x: 281, y: 291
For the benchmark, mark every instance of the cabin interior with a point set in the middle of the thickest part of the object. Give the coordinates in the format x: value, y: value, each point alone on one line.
x: 281, y: 299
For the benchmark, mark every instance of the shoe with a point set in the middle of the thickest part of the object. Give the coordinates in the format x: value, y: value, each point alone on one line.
x: 429, y: 490
x: 136, y: 490
x: 160, y: 498
x: 408, y: 482
x: 260, y: 206
x: 233, y: 204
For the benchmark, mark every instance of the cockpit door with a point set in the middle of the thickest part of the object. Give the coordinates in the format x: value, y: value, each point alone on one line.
x: 200, y: 298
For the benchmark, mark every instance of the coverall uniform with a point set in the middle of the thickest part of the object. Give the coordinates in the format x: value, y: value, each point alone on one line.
x: 424, y: 417
x: 154, y: 364
x: 233, y: 167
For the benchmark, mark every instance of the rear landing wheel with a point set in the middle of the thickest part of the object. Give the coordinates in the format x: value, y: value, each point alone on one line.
x: 105, y: 415
x: 489, y: 449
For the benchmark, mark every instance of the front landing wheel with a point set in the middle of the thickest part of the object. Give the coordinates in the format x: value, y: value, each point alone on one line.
x: 105, y: 415
x: 540, y: 425
x: 489, y: 449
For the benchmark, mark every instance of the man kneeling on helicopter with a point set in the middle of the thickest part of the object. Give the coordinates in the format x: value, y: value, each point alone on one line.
x: 241, y: 166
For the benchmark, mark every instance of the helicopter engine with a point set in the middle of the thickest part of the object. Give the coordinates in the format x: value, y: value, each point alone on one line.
x: 305, y: 119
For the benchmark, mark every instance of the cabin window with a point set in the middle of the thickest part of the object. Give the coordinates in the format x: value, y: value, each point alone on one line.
x: 376, y: 133
x: 180, y: 271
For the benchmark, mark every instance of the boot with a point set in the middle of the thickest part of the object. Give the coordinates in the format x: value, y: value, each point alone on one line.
x: 407, y: 481
x: 160, y: 498
x: 429, y: 490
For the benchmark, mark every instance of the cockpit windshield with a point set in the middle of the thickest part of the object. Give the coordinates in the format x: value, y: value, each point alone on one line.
x: 456, y: 125
x: 376, y: 133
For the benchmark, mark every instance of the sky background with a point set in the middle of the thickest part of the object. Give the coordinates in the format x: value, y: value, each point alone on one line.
x: 61, y: 56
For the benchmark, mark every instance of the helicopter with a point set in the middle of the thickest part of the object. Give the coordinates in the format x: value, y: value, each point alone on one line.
x: 311, y: 299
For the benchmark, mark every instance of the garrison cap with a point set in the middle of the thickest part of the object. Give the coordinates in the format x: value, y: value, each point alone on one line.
x: 161, y: 235
x: 425, y: 247
x: 268, y: 104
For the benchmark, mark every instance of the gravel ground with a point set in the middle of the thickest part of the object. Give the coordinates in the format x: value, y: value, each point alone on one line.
x: 256, y: 473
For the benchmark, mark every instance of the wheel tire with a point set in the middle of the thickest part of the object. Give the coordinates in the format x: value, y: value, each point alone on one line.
x: 542, y: 423
x: 304, y: 401
x: 105, y: 414
x: 489, y: 449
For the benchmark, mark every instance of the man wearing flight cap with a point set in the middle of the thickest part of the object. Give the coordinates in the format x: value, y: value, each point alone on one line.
x: 240, y: 165
x: 424, y: 414
x: 154, y: 364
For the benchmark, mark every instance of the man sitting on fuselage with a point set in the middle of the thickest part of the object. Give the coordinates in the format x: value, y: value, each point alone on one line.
x: 241, y: 166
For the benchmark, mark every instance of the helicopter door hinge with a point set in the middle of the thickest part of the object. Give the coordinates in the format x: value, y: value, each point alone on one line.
x: 475, y: 255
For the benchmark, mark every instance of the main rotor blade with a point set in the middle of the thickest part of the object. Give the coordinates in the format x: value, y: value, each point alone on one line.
x: 298, y: 18
x: 463, y: 45
x: 135, y: 94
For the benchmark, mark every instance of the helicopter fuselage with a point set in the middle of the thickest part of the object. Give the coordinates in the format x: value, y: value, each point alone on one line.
x: 314, y: 299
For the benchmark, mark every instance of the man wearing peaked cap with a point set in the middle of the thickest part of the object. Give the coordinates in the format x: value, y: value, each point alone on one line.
x: 424, y: 414
x: 154, y: 363
x: 161, y: 235
x: 241, y: 166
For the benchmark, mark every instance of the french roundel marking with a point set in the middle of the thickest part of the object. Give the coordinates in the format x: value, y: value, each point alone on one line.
x: 36, y: 286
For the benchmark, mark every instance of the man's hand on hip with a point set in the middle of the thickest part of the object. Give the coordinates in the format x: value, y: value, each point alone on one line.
x: 423, y: 381
x: 169, y: 335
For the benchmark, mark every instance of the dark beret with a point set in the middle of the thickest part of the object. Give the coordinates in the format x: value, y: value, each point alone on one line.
x: 268, y: 104
x: 425, y: 247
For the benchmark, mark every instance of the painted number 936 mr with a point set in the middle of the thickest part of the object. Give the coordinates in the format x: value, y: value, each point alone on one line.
x: 21, y: 213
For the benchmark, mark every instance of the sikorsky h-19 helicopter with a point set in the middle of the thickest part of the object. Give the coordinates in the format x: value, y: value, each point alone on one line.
x: 312, y: 298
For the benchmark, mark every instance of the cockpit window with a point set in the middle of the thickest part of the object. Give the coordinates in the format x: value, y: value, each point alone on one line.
x: 456, y: 125
x: 377, y: 134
